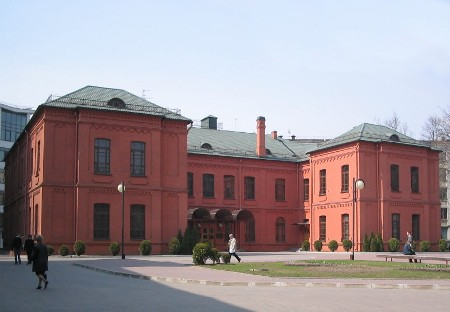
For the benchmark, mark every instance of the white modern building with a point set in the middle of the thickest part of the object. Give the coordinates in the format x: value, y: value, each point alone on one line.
x: 12, y: 122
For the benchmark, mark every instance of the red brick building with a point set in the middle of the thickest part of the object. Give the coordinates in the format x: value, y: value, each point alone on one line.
x: 271, y: 192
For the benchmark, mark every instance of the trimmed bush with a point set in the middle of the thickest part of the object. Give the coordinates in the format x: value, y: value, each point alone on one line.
x: 50, y: 250
x: 114, y: 248
x: 145, y: 247
x: 393, y: 244
x: 380, y: 243
x: 425, y: 246
x: 347, y: 244
x: 79, y: 248
x: 318, y: 245
x: 64, y: 250
x: 174, y: 246
x: 200, y: 253
x: 366, y: 243
x: 442, y: 245
x: 306, y: 245
x: 333, y: 245
x: 226, y: 257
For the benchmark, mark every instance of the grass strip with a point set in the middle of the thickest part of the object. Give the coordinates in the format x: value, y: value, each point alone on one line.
x: 340, y: 269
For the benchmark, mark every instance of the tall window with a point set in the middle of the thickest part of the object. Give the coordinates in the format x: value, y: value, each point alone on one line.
x: 38, y: 158
x: 228, y: 187
x: 12, y: 125
x: 396, y: 225
x: 444, y: 213
x: 395, y: 178
x: 190, y: 183
x: 323, y: 228
x: 344, y: 179
x: 280, y: 190
x: 249, y: 187
x: 416, y: 227
x: 280, y: 230
x: 250, y: 230
x: 414, y: 180
x: 3, y: 152
x: 102, y: 154
x: 305, y: 189
x: 101, y: 221
x: 345, y: 227
x: 137, y: 222
x: 208, y: 185
x: 137, y: 160
x: 323, y: 182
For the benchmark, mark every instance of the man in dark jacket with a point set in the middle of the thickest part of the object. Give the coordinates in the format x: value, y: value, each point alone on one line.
x: 40, y: 261
x: 17, y: 247
x: 407, y: 250
x: 29, y: 246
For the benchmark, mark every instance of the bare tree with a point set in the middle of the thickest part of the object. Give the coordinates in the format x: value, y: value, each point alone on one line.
x: 432, y: 129
x: 394, y: 123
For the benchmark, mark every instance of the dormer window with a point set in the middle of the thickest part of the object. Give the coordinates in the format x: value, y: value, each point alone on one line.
x: 268, y: 151
x: 116, y: 103
x: 394, y: 138
x: 207, y: 146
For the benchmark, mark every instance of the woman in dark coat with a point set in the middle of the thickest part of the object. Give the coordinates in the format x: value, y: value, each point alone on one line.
x: 40, y: 262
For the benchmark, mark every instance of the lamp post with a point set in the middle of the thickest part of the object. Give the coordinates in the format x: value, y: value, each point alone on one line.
x: 121, y: 189
x: 357, y: 185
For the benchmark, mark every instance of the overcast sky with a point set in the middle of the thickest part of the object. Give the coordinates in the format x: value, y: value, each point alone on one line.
x: 311, y: 68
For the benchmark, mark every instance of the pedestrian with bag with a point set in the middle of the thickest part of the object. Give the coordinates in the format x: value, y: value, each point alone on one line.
x: 29, y: 246
x: 17, y: 248
x: 232, y: 247
x: 40, y: 262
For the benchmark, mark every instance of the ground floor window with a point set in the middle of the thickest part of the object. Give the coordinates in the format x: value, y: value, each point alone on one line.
x: 396, y: 226
x: 101, y: 221
x: 137, y: 222
x: 280, y: 230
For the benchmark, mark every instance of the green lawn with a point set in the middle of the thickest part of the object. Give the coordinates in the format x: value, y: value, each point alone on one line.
x: 340, y: 269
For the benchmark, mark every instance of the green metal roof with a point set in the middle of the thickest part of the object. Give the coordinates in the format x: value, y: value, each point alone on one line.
x: 98, y: 97
x: 242, y: 144
x: 371, y: 133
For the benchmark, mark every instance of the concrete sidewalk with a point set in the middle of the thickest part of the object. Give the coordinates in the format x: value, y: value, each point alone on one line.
x: 180, y: 269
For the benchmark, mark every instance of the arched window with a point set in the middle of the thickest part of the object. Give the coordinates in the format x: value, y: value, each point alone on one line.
x: 207, y: 146
x: 280, y: 230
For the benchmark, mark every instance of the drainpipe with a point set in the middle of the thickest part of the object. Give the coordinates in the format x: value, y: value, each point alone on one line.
x: 239, y: 184
x: 75, y: 175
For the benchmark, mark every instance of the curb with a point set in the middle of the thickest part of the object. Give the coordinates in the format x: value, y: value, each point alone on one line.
x: 266, y: 284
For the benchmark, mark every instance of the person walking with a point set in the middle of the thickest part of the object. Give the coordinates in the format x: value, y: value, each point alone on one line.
x: 232, y: 247
x: 40, y: 262
x: 409, y: 238
x: 29, y: 246
x: 17, y: 247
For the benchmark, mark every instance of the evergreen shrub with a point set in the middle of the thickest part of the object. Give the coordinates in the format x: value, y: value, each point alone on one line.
x: 145, y: 247
x: 347, y: 244
x: 442, y: 245
x: 79, y: 248
x: 333, y: 245
x: 64, y: 250
x: 318, y: 245
x: 306, y: 245
x: 393, y: 244
x: 425, y: 246
x: 114, y: 248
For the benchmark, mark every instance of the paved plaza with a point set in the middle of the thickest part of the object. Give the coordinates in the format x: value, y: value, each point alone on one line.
x: 173, y: 283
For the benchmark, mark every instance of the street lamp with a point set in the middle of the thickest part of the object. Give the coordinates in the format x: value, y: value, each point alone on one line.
x: 357, y: 185
x: 121, y: 189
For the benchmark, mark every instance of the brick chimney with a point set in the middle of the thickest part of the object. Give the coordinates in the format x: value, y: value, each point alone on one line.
x: 261, y: 136
x: 274, y: 135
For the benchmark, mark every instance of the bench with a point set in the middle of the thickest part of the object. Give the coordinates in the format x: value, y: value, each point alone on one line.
x: 416, y: 257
